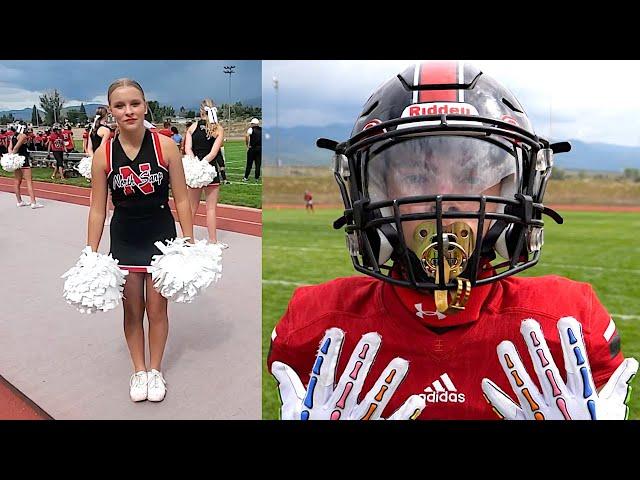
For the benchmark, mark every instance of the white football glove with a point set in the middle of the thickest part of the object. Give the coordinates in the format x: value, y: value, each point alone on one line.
x: 576, y: 399
x: 323, y: 401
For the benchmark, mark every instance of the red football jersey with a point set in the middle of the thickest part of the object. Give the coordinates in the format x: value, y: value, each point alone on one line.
x: 166, y: 132
x: 56, y: 141
x: 67, y: 136
x: 447, y: 367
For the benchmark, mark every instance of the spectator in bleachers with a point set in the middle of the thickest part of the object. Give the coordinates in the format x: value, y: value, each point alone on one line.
x: 166, y: 130
x: 176, y: 136
x: 3, y: 141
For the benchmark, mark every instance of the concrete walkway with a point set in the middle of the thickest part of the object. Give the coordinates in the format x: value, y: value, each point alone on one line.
x: 77, y: 366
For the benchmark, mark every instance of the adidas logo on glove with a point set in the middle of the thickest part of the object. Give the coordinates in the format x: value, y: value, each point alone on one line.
x: 437, y: 393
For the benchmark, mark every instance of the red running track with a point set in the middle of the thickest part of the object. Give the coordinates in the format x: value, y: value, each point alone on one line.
x: 14, y: 405
x: 243, y: 220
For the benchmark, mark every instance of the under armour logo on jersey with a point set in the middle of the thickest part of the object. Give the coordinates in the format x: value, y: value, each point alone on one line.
x: 128, y: 179
x: 421, y: 313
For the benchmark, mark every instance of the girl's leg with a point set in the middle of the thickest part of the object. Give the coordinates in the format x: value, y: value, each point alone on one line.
x: 211, y: 193
x: 27, y: 176
x: 16, y: 183
x: 134, y: 306
x: 158, y: 324
x: 194, y: 200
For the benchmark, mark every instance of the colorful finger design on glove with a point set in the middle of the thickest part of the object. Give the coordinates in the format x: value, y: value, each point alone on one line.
x: 501, y: 404
x: 350, y: 385
x: 323, y: 372
x: 379, y: 396
x: 520, y: 381
x: 579, y: 378
x: 553, y: 388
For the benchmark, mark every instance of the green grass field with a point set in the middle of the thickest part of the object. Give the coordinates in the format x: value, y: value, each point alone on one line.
x: 302, y: 248
x: 238, y: 193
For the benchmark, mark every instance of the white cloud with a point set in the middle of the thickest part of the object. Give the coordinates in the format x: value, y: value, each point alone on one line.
x: 102, y: 99
x: 586, y: 100
x: 14, y: 98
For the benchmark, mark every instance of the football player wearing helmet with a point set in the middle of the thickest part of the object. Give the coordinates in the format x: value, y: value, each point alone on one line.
x: 443, y: 181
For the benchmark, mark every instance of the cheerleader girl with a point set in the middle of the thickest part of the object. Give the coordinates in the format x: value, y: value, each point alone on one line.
x: 138, y: 167
x: 18, y: 145
x: 100, y: 133
x: 204, y: 140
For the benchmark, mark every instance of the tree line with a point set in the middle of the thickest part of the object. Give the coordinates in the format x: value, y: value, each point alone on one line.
x: 52, y: 103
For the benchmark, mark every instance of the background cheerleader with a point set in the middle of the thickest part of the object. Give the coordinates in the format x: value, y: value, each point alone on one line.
x: 204, y: 139
x: 19, y: 146
x: 100, y: 133
x: 138, y: 166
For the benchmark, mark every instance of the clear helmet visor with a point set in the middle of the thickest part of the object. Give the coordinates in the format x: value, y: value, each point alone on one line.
x: 438, y: 165
x: 441, y: 165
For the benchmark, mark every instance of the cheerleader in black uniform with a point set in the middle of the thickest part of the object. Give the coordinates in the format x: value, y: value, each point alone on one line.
x: 138, y: 167
x: 204, y: 140
x: 19, y: 145
x: 100, y: 133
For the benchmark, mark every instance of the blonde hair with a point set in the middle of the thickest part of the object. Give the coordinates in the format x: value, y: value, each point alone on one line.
x: 212, y: 128
x: 124, y: 82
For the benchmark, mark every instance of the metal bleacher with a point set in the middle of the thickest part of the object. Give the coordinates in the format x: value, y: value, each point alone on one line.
x: 70, y: 160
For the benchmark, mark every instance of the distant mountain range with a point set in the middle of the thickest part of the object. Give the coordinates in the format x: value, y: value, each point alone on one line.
x: 298, y: 147
x: 25, y: 113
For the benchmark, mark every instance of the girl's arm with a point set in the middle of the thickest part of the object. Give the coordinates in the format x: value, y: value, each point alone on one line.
x: 97, y: 210
x: 172, y: 156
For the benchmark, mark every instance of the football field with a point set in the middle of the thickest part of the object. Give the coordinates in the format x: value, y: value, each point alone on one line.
x: 601, y: 248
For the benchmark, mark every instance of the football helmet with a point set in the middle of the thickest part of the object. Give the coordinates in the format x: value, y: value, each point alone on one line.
x: 443, y: 170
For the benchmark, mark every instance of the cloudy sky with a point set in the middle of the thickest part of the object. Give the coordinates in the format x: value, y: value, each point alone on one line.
x: 176, y: 82
x: 583, y: 100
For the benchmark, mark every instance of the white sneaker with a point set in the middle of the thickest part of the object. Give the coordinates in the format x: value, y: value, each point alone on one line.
x: 222, y: 245
x: 36, y: 205
x: 156, y: 385
x: 138, y: 386
x: 22, y: 204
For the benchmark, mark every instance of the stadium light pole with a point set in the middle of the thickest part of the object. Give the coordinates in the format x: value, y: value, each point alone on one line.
x: 275, y: 86
x: 228, y: 69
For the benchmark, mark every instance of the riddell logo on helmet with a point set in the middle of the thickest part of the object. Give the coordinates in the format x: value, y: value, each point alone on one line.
x: 439, y: 108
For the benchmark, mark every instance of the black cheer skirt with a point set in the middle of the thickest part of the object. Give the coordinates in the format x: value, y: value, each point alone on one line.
x: 134, y: 232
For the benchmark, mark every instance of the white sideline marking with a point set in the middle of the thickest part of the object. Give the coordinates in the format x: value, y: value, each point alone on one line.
x: 284, y: 282
x: 626, y: 317
x: 588, y: 267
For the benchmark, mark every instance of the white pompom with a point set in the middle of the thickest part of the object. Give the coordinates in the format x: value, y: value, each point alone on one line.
x: 94, y: 283
x: 197, y: 173
x: 84, y: 167
x: 12, y: 161
x: 184, y: 269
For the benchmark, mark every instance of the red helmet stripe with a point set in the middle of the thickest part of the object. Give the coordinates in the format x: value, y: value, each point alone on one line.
x: 438, y: 73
